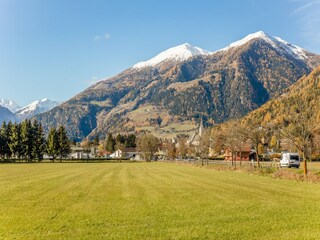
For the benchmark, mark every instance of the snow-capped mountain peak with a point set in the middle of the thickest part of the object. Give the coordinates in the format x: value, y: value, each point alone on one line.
x: 260, y: 35
x: 276, y: 42
x: 178, y: 53
x: 10, y: 104
x: 36, y: 107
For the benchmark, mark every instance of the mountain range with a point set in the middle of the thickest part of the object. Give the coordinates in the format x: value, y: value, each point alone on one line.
x: 11, y: 111
x: 171, y: 92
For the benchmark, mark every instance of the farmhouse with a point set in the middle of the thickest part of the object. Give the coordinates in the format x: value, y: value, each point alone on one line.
x: 242, y: 153
x: 125, y: 153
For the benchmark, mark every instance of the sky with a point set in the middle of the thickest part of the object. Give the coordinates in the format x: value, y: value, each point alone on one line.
x: 58, y: 48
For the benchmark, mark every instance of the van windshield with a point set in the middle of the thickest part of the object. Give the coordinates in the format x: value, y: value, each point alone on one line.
x: 294, y: 157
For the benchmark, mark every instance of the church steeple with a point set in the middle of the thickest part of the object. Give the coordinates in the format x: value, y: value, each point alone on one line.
x: 201, y: 128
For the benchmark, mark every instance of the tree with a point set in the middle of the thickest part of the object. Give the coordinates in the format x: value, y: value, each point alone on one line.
x: 274, y: 142
x: 171, y: 150
x: 131, y: 141
x: 120, y: 139
x: 15, y: 141
x: 53, y: 143
x: 182, y: 148
x: 205, y: 144
x: 255, y: 133
x: 110, y: 143
x: 27, y: 139
x: 234, y: 136
x: 218, y: 138
x: 191, y: 151
x: 148, y: 145
x: 39, y: 142
x: 5, y: 133
x: 63, y: 143
x: 300, y: 123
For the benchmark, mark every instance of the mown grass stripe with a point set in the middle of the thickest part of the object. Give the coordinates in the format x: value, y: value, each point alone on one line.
x: 152, y: 201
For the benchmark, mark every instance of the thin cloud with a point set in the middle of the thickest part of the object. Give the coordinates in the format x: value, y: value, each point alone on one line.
x: 307, y: 14
x: 102, y: 37
x: 305, y: 6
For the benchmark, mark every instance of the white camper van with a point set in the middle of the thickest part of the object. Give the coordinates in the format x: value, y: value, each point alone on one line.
x: 290, y: 160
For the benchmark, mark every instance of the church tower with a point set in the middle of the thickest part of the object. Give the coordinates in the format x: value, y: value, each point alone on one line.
x: 201, y: 128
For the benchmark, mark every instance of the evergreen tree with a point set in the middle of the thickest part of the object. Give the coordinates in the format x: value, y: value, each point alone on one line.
x: 15, y: 141
x: 53, y: 143
x: 110, y: 143
x: 39, y: 143
x: 64, y: 144
x: 4, y: 140
x: 130, y: 140
x: 27, y: 139
x: 7, y: 134
x: 120, y: 139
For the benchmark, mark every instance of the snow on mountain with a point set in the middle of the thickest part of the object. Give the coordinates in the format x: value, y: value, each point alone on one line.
x: 178, y: 53
x: 36, y: 107
x: 276, y: 42
x: 186, y: 50
x: 10, y: 104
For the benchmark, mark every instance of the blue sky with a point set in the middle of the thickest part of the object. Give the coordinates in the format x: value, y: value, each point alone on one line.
x: 57, y: 48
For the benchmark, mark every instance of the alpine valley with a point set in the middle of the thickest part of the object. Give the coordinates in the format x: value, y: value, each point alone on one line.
x: 171, y: 92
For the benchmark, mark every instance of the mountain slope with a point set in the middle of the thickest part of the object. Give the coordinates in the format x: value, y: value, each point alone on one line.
x: 215, y: 87
x: 6, y: 115
x: 308, y: 87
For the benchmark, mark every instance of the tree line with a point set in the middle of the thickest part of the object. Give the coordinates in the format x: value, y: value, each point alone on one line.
x: 26, y: 140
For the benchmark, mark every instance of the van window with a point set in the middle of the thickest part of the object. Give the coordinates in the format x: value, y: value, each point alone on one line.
x: 294, y: 157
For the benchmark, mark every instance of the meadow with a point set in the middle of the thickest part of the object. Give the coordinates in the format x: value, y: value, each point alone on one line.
x: 152, y: 201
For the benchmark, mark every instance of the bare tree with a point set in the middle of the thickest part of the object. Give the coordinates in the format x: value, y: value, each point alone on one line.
x: 255, y: 134
x: 171, y: 150
x: 204, y: 145
x: 182, y: 148
x: 234, y: 138
x: 300, y: 124
x: 148, y: 145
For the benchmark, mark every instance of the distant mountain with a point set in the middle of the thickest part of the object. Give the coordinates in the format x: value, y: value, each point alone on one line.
x: 10, y: 104
x: 173, y: 91
x: 6, y: 115
x: 36, y: 107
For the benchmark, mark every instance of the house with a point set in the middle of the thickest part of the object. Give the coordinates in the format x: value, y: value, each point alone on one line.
x: 103, y: 153
x: 163, y: 149
x: 242, y: 153
x: 79, y: 153
x: 125, y: 153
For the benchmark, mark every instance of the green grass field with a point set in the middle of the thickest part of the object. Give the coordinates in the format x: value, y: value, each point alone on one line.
x: 152, y: 201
